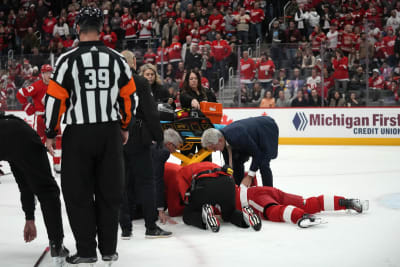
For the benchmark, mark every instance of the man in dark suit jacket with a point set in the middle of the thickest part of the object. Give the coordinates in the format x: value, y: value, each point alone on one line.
x: 256, y: 137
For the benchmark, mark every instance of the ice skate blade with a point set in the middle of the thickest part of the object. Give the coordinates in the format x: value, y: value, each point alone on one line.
x: 365, y: 205
x: 306, y: 223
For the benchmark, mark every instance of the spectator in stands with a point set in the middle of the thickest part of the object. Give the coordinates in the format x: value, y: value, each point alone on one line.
x: 276, y: 37
x: 162, y: 56
x: 282, y: 102
x: 358, y: 81
x: 300, y: 17
x: 337, y: 100
x: 332, y: 37
x: 317, y: 37
x: 257, y: 16
x: 29, y: 41
x: 292, y: 38
x: 175, y: 52
x: 115, y: 24
x: 300, y: 100
x: 193, y: 58
x: 315, y: 100
x: 376, y: 84
x: 255, y: 96
x: 169, y: 30
x: 268, y: 101
x: 244, y: 95
x: 160, y: 93
x: 145, y: 32
x: 341, y: 73
x: 314, y: 81
x: 61, y: 27
x: 389, y: 42
x: 221, y: 51
x: 230, y: 22
x: 243, y: 24
x: 296, y: 83
x: 109, y: 37
x: 186, y: 46
x: 313, y: 19
x: 347, y: 39
x: 149, y: 56
x: 49, y: 23
x: 265, y: 71
x: 353, y: 101
x: 393, y: 21
x: 297, y: 61
x: 68, y: 42
x: 366, y: 49
x: 179, y: 72
x: 308, y: 62
x: 247, y: 70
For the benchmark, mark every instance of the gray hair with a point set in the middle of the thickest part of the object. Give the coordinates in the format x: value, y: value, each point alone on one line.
x: 210, y: 137
x: 172, y: 136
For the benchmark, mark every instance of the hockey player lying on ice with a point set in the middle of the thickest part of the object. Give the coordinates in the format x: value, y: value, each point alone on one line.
x: 270, y: 203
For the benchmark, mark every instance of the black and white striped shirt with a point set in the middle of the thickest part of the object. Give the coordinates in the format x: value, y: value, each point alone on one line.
x: 91, y: 84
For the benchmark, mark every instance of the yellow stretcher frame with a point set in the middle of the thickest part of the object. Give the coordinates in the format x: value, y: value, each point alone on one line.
x: 195, y: 158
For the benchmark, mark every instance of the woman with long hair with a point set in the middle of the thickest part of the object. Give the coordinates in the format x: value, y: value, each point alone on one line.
x: 192, y: 91
x: 160, y: 93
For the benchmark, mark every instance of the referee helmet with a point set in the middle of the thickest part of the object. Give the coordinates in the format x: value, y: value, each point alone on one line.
x: 90, y: 19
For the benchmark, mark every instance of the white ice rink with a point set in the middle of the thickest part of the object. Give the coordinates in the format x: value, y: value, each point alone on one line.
x: 348, y: 239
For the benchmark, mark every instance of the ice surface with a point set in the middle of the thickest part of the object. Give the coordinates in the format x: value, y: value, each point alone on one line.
x: 348, y: 239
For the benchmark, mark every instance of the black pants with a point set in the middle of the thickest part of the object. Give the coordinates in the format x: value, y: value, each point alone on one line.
x: 238, y: 162
x: 21, y: 146
x: 140, y: 182
x: 92, y: 179
x: 213, y: 191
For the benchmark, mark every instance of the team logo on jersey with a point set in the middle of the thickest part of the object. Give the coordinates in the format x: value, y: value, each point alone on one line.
x: 300, y: 121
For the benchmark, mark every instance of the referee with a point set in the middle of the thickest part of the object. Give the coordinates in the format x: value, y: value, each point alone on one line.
x: 92, y: 85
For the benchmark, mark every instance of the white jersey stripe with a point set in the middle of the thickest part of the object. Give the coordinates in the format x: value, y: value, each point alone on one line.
x: 103, y: 105
x: 49, y: 110
x: 104, y: 59
x: 329, y: 203
x: 87, y: 60
x: 287, y: 214
x: 91, y: 102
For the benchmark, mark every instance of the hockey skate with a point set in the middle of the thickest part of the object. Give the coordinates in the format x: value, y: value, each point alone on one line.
x: 58, y: 253
x: 251, y: 218
x: 110, y: 259
x: 77, y: 260
x: 355, y: 204
x: 308, y: 220
x: 209, y: 218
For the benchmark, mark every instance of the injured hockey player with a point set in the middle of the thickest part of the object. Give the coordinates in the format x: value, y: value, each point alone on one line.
x: 270, y: 203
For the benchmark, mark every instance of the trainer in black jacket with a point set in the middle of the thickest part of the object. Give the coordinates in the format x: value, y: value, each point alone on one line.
x: 145, y: 129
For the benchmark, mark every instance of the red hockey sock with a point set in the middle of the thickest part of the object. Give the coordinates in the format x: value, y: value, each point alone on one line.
x: 281, y: 213
x: 323, y: 202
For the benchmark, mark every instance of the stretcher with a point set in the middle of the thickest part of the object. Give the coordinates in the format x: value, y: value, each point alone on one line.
x: 191, y: 130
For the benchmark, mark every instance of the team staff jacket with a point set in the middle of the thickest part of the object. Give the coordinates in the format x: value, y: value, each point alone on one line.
x: 257, y: 137
x: 146, y: 126
x: 178, y: 180
x: 91, y: 84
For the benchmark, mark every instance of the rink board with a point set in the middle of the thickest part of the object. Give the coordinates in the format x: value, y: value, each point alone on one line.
x: 328, y: 126
x: 320, y: 126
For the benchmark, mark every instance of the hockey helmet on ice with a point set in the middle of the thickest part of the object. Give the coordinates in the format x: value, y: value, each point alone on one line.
x: 46, y: 68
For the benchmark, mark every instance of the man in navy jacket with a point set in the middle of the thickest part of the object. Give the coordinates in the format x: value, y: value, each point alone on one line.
x: 255, y: 137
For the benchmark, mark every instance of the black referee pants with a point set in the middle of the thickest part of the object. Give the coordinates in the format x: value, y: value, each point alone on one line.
x: 92, y: 180
x: 140, y: 181
x: 22, y: 148
x: 214, y: 191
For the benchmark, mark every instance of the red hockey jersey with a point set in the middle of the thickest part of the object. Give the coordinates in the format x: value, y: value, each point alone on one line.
x: 37, y: 91
x: 174, y: 52
x: 266, y: 70
x: 247, y: 70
